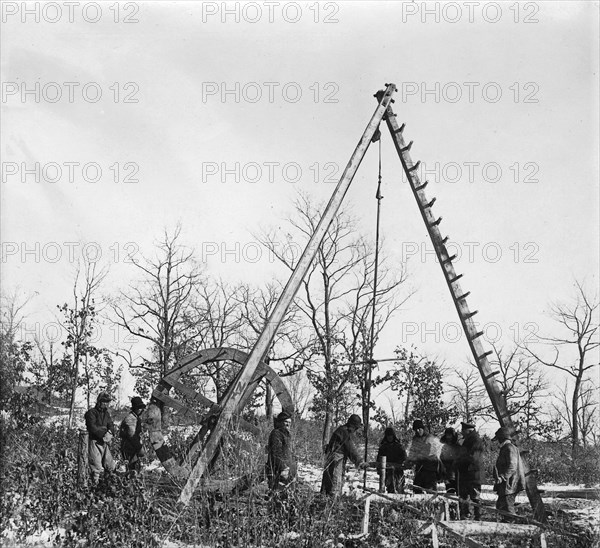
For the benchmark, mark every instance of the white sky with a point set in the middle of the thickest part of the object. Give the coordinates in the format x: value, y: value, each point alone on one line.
x: 179, y: 58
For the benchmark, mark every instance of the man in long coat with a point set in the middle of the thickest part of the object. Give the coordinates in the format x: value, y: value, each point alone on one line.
x: 339, y: 450
x: 469, y: 468
x: 101, y: 429
x: 281, y: 466
x: 391, y: 448
x: 509, y: 477
x: 130, y: 432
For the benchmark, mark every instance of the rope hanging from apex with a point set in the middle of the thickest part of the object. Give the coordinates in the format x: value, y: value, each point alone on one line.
x: 371, y: 363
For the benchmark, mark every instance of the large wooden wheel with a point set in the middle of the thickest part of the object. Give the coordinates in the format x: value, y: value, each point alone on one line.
x: 173, y: 398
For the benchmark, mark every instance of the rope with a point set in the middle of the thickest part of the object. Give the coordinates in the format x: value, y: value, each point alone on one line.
x: 371, y: 363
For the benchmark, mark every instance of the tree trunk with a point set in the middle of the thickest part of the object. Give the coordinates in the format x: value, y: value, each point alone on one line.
x: 74, y: 389
x: 574, y: 416
x: 268, y: 402
x: 327, y: 425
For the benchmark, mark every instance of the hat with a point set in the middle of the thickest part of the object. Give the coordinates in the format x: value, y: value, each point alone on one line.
x: 466, y: 425
x: 418, y: 424
x: 103, y: 396
x: 502, y: 434
x: 137, y: 403
x: 355, y: 421
x: 283, y: 416
x: 389, y: 431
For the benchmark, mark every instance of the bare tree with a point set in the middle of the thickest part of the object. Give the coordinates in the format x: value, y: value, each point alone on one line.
x: 334, y: 299
x: 153, y: 309
x: 290, y: 350
x: 301, y: 392
x: 587, y: 411
x: 523, y: 386
x: 468, y: 393
x: 79, y: 319
x: 14, y: 352
x: 575, y: 352
x: 212, y: 320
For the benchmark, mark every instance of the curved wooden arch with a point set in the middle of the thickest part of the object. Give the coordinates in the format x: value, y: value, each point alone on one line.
x: 170, y: 386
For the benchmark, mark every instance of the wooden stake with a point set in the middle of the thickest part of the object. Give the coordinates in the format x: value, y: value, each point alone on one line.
x: 82, y: 459
x: 382, y: 475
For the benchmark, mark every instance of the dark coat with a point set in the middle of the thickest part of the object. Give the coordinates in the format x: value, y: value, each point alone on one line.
x: 470, y: 465
x: 393, y: 452
x: 339, y: 450
x: 130, y: 432
x: 279, y: 450
x: 98, y: 423
x: 341, y: 445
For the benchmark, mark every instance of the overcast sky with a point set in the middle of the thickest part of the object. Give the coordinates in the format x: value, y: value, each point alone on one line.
x: 217, y: 114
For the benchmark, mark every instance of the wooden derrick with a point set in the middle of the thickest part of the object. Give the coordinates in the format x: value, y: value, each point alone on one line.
x: 172, y: 395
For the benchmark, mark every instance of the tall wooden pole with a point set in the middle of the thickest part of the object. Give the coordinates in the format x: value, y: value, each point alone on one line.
x: 238, y: 388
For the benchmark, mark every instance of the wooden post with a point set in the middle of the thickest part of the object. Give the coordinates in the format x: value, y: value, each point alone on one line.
x: 434, y: 536
x: 365, y: 524
x: 82, y: 459
x: 383, y: 471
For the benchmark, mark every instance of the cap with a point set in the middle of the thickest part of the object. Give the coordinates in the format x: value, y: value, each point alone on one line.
x: 466, y: 425
x: 418, y: 424
x: 137, y: 403
x: 355, y: 421
x: 502, y: 434
x: 103, y: 396
x: 283, y: 416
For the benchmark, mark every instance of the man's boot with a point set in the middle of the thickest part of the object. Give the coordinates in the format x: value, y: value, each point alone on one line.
x: 477, y: 510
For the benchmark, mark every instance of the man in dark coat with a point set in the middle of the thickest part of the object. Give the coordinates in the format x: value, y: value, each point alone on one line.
x: 509, y: 477
x: 339, y: 450
x: 281, y: 466
x: 423, y: 452
x: 469, y: 468
x: 101, y: 429
x: 451, y: 452
x: 130, y: 432
x: 391, y: 448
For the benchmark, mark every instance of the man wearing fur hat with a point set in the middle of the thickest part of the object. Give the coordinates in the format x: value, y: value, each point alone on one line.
x: 131, y: 429
x: 509, y: 477
x: 101, y: 429
x: 281, y: 466
x: 338, y: 451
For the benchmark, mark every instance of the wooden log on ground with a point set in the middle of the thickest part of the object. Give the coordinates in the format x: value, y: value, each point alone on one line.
x: 474, y: 528
x: 82, y: 459
x: 590, y: 494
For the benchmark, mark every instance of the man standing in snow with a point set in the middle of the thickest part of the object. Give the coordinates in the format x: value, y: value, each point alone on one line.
x: 101, y: 429
x: 339, y: 450
x: 130, y: 431
x: 509, y: 477
x: 469, y: 469
x: 395, y: 455
x: 281, y: 467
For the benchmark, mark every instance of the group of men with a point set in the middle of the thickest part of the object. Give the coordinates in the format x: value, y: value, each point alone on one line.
x: 101, y: 430
x: 458, y: 465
